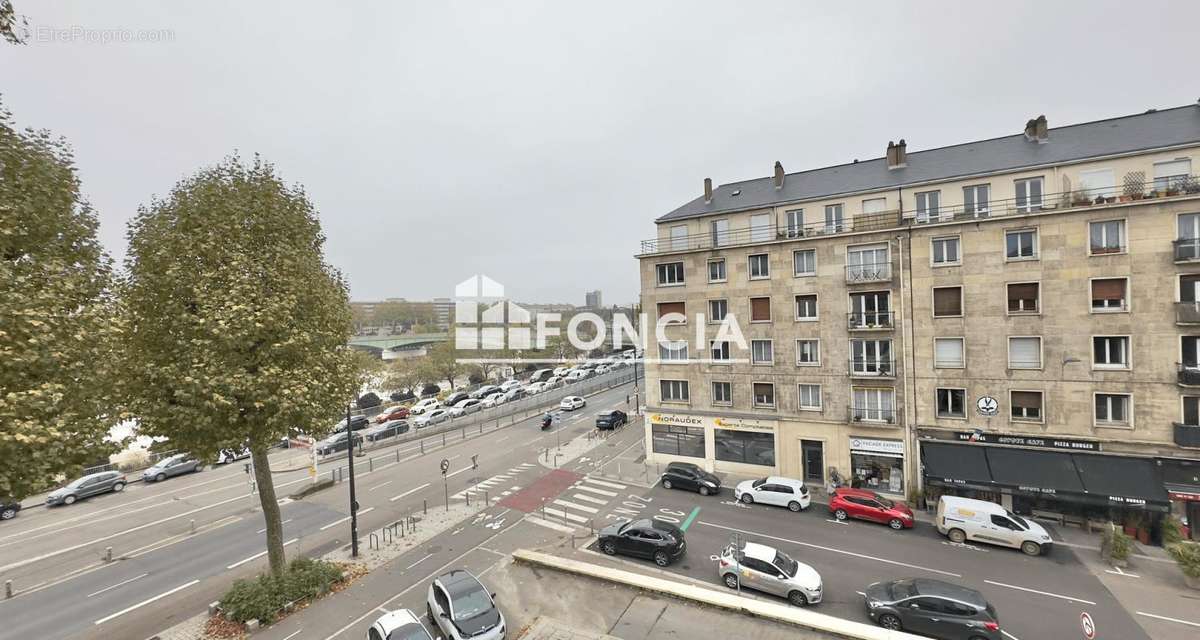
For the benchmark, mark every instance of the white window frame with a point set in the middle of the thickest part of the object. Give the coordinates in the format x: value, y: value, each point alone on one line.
x: 712, y: 389
x: 933, y: 261
x: 719, y: 232
x: 712, y: 318
x: 881, y: 392
x: 683, y: 386
x: 962, y: 301
x: 858, y: 306
x: 761, y: 227
x: 682, y: 274
x: 795, y: 223
x: 1029, y: 206
x: 817, y: 342
x: 750, y: 266
x: 835, y: 223
x: 667, y: 354
x: 963, y: 350
x: 804, y: 274
x: 976, y: 211
x: 1040, y: 420
x: 1128, y: 365
x: 724, y: 269
x: 1037, y: 254
x: 754, y: 397
x: 726, y: 351
x: 1038, y: 301
x: 1128, y: 298
x: 937, y: 402
x: 1041, y: 353
x: 1108, y: 424
x: 884, y: 367
x: 923, y: 212
x: 800, y: 397
x: 816, y: 307
x: 1123, y: 240
x: 754, y: 359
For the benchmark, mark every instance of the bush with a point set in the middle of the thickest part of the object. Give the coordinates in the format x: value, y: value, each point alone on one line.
x: 369, y: 400
x: 1114, y: 544
x: 475, y: 378
x: 1172, y: 531
x: 1187, y: 556
x: 403, y: 396
x: 262, y: 598
x: 430, y: 390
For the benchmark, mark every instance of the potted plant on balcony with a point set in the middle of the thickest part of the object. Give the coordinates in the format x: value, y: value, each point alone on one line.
x: 1080, y: 199
x: 1189, y: 185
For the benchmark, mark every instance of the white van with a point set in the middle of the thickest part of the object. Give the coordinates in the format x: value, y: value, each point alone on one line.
x: 963, y: 519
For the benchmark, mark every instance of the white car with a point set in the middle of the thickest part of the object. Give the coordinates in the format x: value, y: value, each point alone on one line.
x: 493, y: 400
x: 561, y: 371
x: 602, y: 369
x: 774, y: 490
x: 432, y: 417
x: 757, y: 566
x: 470, y: 405
x: 577, y: 375
x: 510, y: 385
x: 400, y: 624
x: 423, y: 406
x: 462, y: 607
x: 534, y: 388
x: 554, y: 382
x: 571, y: 403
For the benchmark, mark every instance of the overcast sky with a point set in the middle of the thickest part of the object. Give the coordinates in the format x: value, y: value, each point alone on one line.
x: 536, y: 142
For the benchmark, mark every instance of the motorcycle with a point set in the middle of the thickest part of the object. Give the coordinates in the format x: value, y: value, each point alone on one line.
x: 546, y: 421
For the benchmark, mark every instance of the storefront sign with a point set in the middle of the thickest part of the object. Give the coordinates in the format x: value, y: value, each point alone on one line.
x: 1184, y: 496
x: 676, y: 420
x: 679, y: 420
x: 987, y: 406
x: 1028, y: 441
x: 894, y: 447
x: 744, y: 423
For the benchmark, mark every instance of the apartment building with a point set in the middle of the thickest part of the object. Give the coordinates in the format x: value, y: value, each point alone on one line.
x: 1014, y: 319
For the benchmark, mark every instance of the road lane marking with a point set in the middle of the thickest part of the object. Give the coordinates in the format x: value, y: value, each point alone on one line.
x: 580, y: 496
x: 462, y: 470
x: 293, y: 634
x: 407, y: 493
x: 1040, y: 593
x: 605, y: 483
x: 281, y: 524
x: 1157, y: 617
x: 610, y: 494
x: 691, y: 517
x: 1010, y: 636
x: 146, y: 602
x: 832, y: 550
x: 346, y: 519
x: 418, y: 562
x: 380, y: 485
x: 564, y: 515
x: 499, y: 440
x: 96, y: 593
x: 255, y: 556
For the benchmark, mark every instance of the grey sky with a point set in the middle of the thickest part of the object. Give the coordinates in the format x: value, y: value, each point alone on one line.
x: 536, y: 142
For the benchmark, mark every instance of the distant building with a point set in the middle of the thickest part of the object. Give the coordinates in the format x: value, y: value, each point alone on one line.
x: 441, y: 312
x: 593, y: 299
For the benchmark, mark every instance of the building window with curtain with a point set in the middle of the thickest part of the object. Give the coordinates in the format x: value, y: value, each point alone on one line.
x: 716, y: 270
x: 744, y: 447
x: 722, y: 393
x: 804, y: 262
x: 1106, y: 237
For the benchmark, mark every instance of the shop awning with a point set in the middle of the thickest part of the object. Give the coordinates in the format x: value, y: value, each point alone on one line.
x: 1044, y: 472
x: 1122, y: 481
x: 955, y: 464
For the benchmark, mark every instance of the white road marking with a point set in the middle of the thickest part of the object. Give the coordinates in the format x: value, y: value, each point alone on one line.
x: 1010, y: 636
x: 380, y: 485
x: 1040, y: 593
x: 564, y: 515
x: 462, y: 470
x: 409, y: 492
x: 96, y: 593
x: 346, y: 519
x: 418, y: 562
x: 293, y: 634
x: 831, y: 549
x: 1156, y: 617
x: 836, y: 521
x: 533, y: 441
x: 604, y: 483
x: 580, y: 496
x: 263, y: 530
x: 146, y: 602
x: 861, y: 593
x: 1118, y: 572
x: 602, y: 492
x: 255, y: 556
x: 550, y: 525
x: 577, y: 507
x: 499, y: 440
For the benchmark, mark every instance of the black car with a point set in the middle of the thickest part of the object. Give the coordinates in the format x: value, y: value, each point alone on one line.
x: 932, y: 608
x: 357, y: 423
x: 685, y: 475
x: 654, y: 540
x: 455, y: 398
x: 485, y: 391
x: 389, y: 429
x: 9, y: 509
x: 336, y: 442
x: 611, y: 419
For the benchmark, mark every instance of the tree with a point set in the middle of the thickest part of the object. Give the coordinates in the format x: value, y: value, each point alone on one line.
x: 12, y: 25
x: 404, y: 374
x: 237, y: 328
x: 443, y: 363
x: 56, y: 365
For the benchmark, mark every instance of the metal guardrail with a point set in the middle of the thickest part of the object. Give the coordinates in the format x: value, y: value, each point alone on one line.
x: 872, y: 368
x: 869, y: 272
x: 866, y: 320
x: 870, y: 415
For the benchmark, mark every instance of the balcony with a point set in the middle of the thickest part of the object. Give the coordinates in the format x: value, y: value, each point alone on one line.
x: 868, y: 273
x: 871, y: 368
x: 870, y: 321
x: 1187, y: 374
x: 1187, y: 313
x: 1186, y: 249
x: 1187, y: 435
x: 873, y: 416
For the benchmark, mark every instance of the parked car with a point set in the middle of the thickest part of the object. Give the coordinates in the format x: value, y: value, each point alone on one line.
x: 432, y: 417
x: 470, y: 405
x: 336, y: 442
x: 554, y: 382
x: 455, y: 398
x: 685, y: 475
x: 868, y: 505
x: 933, y: 608
x: 602, y: 369
x: 357, y: 423
x: 175, y: 465
x: 656, y: 540
x: 611, y: 419
x: 516, y: 393
x: 424, y: 405
x: 963, y: 519
x: 561, y: 371
x: 762, y: 568
x: 462, y: 607
x: 494, y: 400
x: 577, y: 375
x: 509, y: 385
x: 225, y: 456
x: 485, y: 391
x: 774, y: 490
x: 571, y: 403
x: 400, y: 624
x: 389, y: 429
x: 9, y: 508
x: 89, y: 485
x: 396, y: 412
x: 534, y: 388
x: 540, y: 375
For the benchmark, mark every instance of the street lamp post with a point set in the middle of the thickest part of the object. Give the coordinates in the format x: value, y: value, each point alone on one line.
x: 353, y: 502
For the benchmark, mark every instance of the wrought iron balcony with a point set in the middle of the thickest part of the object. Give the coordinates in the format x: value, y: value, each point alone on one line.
x: 870, y: 272
x: 873, y: 416
x: 872, y: 368
x: 1187, y: 435
x: 1188, y: 374
x: 1187, y: 249
x: 870, y: 320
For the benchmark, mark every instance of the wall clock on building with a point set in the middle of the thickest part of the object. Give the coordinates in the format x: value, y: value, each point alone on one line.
x: 987, y: 406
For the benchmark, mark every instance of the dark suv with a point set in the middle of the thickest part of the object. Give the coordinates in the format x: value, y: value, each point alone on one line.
x: 659, y: 541
x: 932, y: 608
x: 685, y: 475
x: 611, y: 419
x: 9, y: 509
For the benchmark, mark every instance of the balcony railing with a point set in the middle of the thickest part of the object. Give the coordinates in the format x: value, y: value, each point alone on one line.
x: 870, y: 272
x: 1079, y: 198
x: 1187, y: 435
x: 1187, y: 312
x: 1186, y: 249
x: 872, y: 368
x: 1188, y: 374
x: 873, y: 415
x: 865, y: 320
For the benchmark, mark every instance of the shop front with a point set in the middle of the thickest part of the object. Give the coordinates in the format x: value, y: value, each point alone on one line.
x: 716, y: 443
x: 877, y: 464
x: 1181, y: 479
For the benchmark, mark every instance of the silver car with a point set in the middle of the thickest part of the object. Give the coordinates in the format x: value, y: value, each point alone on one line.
x: 175, y: 465
x: 89, y: 485
x: 762, y: 568
x: 460, y: 606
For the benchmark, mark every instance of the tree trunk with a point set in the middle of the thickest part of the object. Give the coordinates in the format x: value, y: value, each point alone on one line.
x: 270, y: 509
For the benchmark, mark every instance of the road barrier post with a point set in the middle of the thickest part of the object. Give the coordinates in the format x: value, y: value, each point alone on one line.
x: 8, y: 589
x: 370, y: 465
x: 422, y: 446
x: 108, y: 554
x: 425, y: 507
x: 443, y: 438
x: 464, y: 433
x: 192, y: 526
x: 397, y: 455
x: 487, y: 502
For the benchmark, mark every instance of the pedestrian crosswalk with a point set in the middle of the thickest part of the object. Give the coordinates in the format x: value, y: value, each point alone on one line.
x: 582, y: 502
x: 492, y: 484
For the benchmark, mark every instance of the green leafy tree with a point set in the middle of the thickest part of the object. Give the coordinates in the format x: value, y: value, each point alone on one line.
x: 12, y: 25
x: 56, y: 396
x: 405, y: 374
x: 442, y: 363
x: 237, y: 327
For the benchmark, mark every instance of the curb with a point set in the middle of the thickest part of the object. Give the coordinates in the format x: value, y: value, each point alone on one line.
x: 838, y: 627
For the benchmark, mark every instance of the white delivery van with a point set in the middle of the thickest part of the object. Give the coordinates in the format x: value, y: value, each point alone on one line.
x: 963, y: 519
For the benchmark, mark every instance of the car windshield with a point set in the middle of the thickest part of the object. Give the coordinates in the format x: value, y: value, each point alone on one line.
x: 409, y: 632
x: 901, y: 589
x: 471, y: 603
x: 1018, y: 519
x: 758, y: 483
x: 788, y: 565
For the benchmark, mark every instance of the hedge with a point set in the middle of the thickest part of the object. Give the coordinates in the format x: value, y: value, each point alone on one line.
x: 262, y: 598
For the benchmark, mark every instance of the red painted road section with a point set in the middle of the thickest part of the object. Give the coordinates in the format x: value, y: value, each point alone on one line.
x: 544, y: 488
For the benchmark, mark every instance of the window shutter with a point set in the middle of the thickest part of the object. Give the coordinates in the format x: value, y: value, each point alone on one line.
x: 1112, y: 289
x: 1024, y: 352
x: 947, y: 301
x: 669, y: 307
x: 1023, y: 291
x: 948, y: 351
x: 1173, y: 168
x: 760, y: 309
x: 1027, y: 399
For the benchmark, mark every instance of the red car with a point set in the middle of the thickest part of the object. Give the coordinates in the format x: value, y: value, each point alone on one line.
x: 868, y: 505
x: 392, y: 413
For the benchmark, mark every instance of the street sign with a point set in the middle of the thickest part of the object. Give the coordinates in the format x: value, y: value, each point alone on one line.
x: 445, y: 466
x: 1088, y: 626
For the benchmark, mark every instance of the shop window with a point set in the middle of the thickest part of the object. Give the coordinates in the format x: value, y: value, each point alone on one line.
x: 677, y: 441
x: 746, y: 447
x: 947, y: 302
x: 877, y: 472
x: 760, y: 309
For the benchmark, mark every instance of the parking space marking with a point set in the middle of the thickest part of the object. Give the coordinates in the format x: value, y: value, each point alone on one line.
x: 1041, y: 593
x: 146, y: 602
x: 1157, y: 617
x: 1009, y: 635
x: 418, y: 562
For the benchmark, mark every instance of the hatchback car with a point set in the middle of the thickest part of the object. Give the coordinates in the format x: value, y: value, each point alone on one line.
x: 432, y: 417
x: 509, y: 385
x: 397, y: 412
x: 175, y: 465
x: 762, y: 568
x: 455, y: 398
x: 460, y: 606
x: 655, y: 540
x: 400, y: 624
x: 485, y: 391
x: 357, y: 423
x: 687, y: 476
x: 571, y: 403
x: 933, y: 608
x: 611, y: 419
x: 386, y: 430
x: 774, y: 490
x: 868, y: 505
x: 336, y: 442
x: 9, y: 509
x: 470, y: 405
x: 89, y: 485
x: 424, y: 405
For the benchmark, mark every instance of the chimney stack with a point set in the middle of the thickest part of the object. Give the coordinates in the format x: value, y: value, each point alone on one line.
x: 1041, y: 129
x: 1031, y: 130
x: 707, y: 190
x: 897, y: 155
x: 778, y: 175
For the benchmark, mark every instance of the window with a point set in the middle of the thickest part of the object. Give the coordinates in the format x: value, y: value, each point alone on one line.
x: 764, y: 394
x: 1097, y: 183
x: 951, y: 403
x: 665, y: 308
x: 717, y: 310
x: 1026, y: 405
x: 1172, y: 174
x: 834, y: 221
x: 948, y: 353
x: 1021, y: 244
x: 795, y: 223
x: 944, y: 250
x: 746, y: 447
x: 1110, y: 352
x: 760, y: 309
x: 929, y: 206
x: 1113, y: 410
x: 1108, y: 294
x: 1029, y: 195
x: 1023, y: 297
x: 808, y: 353
x: 1107, y: 237
x: 874, y: 205
x: 677, y: 441
x: 673, y: 390
x: 720, y: 233
x: 722, y: 392
x: 1025, y: 353
x: 669, y: 274
x: 679, y: 237
x: 676, y: 351
x: 716, y: 270
x: 871, y: 357
x: 873, y: 405
x: 810, y: 396
x: 806, y: 307
x: 1191, y: 410
x: 1187, y: 243
x: 870, y: 309
x: 760, y: 228
x: 975, y: 200
x: 1189, y: 288
x: 720, y: 350
x: 760, y: 266
x: 947, y: 302
x: 1190, y: 352
x: 868, y: 263
x: 762, y: 352
x: 804, y: 262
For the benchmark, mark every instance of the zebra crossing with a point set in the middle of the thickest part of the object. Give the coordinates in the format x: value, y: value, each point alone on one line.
x: 583, y: 501
x: 490, y: 485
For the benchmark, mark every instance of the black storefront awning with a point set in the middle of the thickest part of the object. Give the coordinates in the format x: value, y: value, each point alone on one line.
x: 1041, y: 472
x: 956, y: 465
x: 1122, y: 481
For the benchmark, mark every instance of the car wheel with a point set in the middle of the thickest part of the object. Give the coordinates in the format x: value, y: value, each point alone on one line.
x: 896, y: 524
x: 957, y: 536
x: 1031, y: 548
x: 609, y: 547
x: 118, y: 487
x: 798, y: 599
x: 747, y: 498
x: 731, y: 580
x: 429, y: 612
x: 158, y: 478
x: 666, y: 484
x: 703, y: 490
x: 8, y: 514
x: 69, y: 500
x: 661, y: 558
x: 794, y: 506
x: 889, y: 621
x: 840, y: 514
